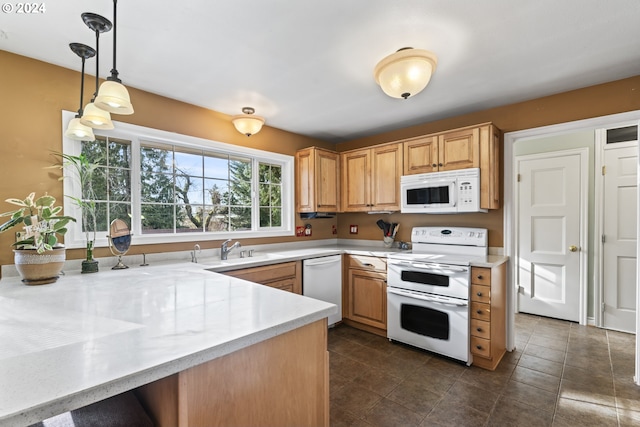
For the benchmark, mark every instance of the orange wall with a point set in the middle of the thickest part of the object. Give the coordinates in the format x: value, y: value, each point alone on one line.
x: 34, y: 93
x: 601, y: 100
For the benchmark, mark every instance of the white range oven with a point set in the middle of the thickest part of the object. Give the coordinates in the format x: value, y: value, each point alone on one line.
x: 428, y: 289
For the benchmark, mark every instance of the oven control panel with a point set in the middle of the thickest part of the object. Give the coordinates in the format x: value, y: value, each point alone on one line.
x: 464, y: 236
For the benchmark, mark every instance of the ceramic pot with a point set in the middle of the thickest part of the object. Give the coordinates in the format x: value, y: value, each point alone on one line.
x: 39, y: 269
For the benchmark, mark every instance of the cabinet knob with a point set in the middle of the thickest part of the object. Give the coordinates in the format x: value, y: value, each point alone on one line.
x: 440, y: 164
x: 479, y: 329
x: 479, y: 294
x: 434, y: 165
x: 479, y: 311
x: 479, y: 277
x: 479, y: 347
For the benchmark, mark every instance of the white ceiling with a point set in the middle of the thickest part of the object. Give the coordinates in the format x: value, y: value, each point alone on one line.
x: 307, y: 66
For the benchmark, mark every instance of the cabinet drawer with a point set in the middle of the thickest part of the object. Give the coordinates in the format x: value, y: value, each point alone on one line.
x: 481, y: 276
x: 480, y: 346
x: 285, y: 284
x: 265, y: 274
x: 481, y: 328
x: 367, y: 262
x: 480, y: 311
x: 481, y: 293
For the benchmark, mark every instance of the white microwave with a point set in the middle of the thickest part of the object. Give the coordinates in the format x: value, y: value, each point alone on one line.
x: 456, y: 191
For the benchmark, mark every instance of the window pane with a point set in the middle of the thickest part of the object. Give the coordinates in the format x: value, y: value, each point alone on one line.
x: 216, y: 191
x: 155, y: 160
x: 189, y: 218
x: 216, y: 166
x: 188, y: 163
x: 99, y: 184
x: 240, y: 170
x: 217, y: 218
x: 240, y: 218
x: 101, y: 217
x: 265, y: 196
x: 265, y: 217
x: 157, y: 219
x: 264, y: 173
x: 119, y: 185
x: 189, y: 189
x: 96, y: 151
x: 276, y: 217
x: 120, y: 211
x: 276, y: 196
x: 240, y: 193
x: 276, y: 174
x: 157, y: 188
x: 119, y: 153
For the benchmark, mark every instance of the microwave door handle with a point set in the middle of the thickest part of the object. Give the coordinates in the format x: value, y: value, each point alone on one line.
x: 444, y: 301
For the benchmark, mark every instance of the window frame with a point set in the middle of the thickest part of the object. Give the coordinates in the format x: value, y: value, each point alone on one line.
x: 75, y: 238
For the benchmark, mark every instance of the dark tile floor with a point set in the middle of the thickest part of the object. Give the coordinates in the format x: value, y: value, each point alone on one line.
x: 561, y: 374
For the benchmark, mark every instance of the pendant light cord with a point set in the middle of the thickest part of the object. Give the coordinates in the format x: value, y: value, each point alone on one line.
x: 80, y: 110
x: 95, y: 94
x: 114, y: 70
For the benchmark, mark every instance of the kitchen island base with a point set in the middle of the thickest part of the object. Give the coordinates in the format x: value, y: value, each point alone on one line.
x: 283, y: 381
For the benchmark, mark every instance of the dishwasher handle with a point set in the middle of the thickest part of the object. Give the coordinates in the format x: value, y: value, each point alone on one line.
x: 321, y: 261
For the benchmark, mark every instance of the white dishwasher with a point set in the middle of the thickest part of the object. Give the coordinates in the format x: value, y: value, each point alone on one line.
x: 322, y: 280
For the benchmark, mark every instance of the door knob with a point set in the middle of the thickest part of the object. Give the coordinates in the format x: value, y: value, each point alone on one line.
x: 573, y: 248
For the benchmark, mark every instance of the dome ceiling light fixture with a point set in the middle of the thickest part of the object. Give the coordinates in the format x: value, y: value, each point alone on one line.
x: 94, y: 116
x: 76, y: 130
x: 406, y: 72
x: 113, y: 96
x: 247, y: 123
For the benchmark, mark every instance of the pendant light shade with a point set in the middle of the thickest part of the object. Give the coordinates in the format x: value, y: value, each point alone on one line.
x: 247, y: 123
x: 79, y: 132
x: 96, y: 118
x: 406, y: 72
x: 76, y: 130
x: 113, y: 96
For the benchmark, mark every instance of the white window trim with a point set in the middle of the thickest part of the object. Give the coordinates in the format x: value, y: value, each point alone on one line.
x: 75, y: 238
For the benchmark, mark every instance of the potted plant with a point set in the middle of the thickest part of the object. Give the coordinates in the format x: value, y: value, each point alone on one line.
x: 83, y: 171
x: 39, y: 257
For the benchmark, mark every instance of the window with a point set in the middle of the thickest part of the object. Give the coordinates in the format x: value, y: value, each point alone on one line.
x: 172, y: 188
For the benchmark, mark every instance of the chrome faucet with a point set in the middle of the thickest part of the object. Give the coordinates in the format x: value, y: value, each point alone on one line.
x: 224, y: 251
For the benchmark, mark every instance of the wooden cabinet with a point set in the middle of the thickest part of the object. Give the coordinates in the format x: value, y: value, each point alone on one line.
x: 488, y: 311
x: 365, y: 299
x: 317, y: 180
x: 371, y: 178
x: 286, y: 276
x: 471, y: 147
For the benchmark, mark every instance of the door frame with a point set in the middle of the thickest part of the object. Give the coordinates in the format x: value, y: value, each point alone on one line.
x: 510, y: 138
x: 598, y: 266
x: 583, y: 154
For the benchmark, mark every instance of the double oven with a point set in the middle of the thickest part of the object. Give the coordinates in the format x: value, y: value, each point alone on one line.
x: 428, y: 289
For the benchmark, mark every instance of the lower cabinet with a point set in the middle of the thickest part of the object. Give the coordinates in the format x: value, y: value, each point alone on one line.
x: 365, y: 293
x: 286, y: 276
x: 488, y: 316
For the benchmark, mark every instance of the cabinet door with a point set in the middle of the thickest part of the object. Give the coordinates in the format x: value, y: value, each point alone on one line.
x: 385, y: 177
x: 459, y: 149
x: 490, y: 137
x: 305, y: 189
x: 421, y: 155
x: 368, y: 298
x: 356, y: 173
x: 327, y: 183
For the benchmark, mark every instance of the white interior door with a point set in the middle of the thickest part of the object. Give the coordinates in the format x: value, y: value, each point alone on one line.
x: 620, y: 197
x: 551, y: 232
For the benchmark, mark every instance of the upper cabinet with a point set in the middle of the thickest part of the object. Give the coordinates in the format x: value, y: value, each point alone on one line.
x: 371, y: 178
x: 317, y: 180
x: 470, y: 147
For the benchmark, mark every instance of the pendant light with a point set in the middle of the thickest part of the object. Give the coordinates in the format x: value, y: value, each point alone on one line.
x: 247, y: 123
x: 406, y: 72
x: 77, y: 130
x: 113, y: 96
x: 93, y: 116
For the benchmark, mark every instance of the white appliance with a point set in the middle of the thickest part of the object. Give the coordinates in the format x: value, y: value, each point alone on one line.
x: 428, y: 289
x: 322, y: 279
x: 455, y: 191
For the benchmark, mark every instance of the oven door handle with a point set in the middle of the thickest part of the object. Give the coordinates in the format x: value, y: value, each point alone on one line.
x: 439, y: 268
x: 422, y: 297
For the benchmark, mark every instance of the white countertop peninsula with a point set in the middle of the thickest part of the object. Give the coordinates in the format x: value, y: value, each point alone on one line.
x: 89, y: 337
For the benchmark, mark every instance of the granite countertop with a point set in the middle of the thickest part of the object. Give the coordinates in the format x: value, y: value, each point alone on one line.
x: 89, y: 337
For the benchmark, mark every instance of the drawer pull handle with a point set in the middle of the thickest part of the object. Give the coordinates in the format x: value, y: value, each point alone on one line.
x: 480, y: 277
x: 479, y: 347
x: 479, y: 329
x: 366, y: 264
x: 479, y: 294
x: 479, y: 311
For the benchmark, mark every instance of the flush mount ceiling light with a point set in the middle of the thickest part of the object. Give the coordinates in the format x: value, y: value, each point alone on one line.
x: 247, y: 123
x: 93, y: 116
x: 77, y: 130
x: 113, y: 95
x: 406, y: 72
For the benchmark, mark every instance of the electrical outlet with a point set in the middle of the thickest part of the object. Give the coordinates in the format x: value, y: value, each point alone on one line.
x: 353, y: 229
x: 300, y: 231
x: 334, y: 230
